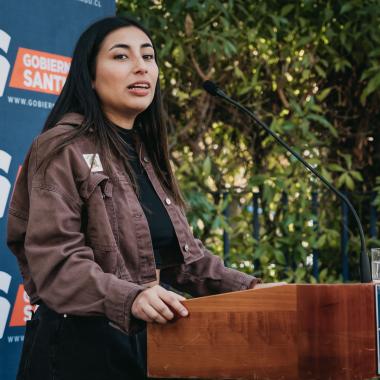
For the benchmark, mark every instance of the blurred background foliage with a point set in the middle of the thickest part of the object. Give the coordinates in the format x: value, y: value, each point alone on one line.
x: 311, y: 70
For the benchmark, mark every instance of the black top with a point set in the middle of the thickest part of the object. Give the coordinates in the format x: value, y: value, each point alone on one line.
x: 164, y: 240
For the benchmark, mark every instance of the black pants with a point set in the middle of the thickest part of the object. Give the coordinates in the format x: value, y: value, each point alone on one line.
x: 79, y: 348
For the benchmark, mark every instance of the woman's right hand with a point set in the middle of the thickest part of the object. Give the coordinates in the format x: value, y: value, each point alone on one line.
x: 157, y: 304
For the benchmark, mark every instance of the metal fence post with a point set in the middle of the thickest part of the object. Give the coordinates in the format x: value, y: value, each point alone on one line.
x: 226, y: 238
x: 256, y: 224
x: 314, y: 210
x: 285, y: 202
x: 373, y: 218
x: 344, y: 240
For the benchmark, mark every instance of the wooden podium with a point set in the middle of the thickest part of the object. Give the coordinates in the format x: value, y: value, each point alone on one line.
x: 308, y: 332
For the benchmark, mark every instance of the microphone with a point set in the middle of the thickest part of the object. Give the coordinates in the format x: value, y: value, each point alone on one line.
x: 365, y: 272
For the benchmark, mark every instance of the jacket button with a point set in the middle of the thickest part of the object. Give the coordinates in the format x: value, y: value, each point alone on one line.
x: 168, y: 201
x: 146, y: 159
x: 186, y: 247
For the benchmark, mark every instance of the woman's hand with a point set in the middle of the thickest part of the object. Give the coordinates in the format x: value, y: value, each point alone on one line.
x: 157, y: 304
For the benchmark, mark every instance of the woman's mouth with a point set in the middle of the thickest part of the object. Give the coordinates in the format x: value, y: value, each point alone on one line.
x: 139, y: 88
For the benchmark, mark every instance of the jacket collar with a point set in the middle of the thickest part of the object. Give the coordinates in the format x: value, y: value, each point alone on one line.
x: 71, y: 118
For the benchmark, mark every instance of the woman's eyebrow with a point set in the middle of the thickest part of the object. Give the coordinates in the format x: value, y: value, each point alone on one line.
x: 125, y: 46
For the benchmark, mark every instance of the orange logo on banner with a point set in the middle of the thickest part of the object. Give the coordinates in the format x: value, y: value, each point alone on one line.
x: 22, y: 310
x: 39, y: 71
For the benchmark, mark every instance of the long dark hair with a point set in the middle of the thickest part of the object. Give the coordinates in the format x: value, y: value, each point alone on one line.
x: 78, y: 96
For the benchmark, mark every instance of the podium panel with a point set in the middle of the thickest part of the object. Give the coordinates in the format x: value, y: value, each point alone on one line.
x: 308, y: 332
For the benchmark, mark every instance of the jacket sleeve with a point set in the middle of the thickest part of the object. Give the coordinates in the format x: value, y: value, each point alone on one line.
x: 61, y: 265
x: 206, y: 276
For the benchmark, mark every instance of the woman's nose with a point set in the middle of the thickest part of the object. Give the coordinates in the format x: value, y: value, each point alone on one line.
x: 141, y: 66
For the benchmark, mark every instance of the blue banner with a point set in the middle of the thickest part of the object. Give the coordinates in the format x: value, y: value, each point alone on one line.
x: 37, y: 39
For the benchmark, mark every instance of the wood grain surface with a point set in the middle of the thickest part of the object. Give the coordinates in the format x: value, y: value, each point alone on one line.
x: 285, y: 332
x: 337, y: 337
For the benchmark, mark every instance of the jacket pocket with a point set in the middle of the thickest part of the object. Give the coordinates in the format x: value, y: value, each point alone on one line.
x: 99, y: 220
x: 94, y: 181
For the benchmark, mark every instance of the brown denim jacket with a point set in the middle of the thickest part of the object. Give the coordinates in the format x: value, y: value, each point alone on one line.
x: 98, y: 264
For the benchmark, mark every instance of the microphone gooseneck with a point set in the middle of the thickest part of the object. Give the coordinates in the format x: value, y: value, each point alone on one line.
x: 365, y: 272
x: 213, y: 89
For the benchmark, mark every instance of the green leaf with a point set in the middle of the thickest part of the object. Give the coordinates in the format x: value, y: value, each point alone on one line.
x: 321, y: 72
x: 288, y: 127
x: 322, y: 241
x: 196, y: 92
x: 229, y: 48
x: 178, y: 55
x: 279, y: 256
x: 323, y: 94
x: 349, y: 182
x: 342, y: 180
x: 357, y: 175
x: 305, y: 40
x: 323, y: 121
x: 336, y: 168
x: 347, y: 159
x: 286, y: 9
x: 239, y: 73
x: 313, y: 280
x: 206, y: 166
x: 326, y: 174
x: 370, y: 72
x: 323, y: 275
x: 372, y: 85
x: 346, y: 8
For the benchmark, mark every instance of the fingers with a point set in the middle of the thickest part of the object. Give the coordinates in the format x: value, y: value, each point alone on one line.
x: 144, y: 316
x: 154, y: 315
x: 172, y: 299
x: 156, y: 304
x: 162, y: 309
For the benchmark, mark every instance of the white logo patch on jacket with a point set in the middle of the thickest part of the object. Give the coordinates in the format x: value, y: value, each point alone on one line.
x: 93, y: 163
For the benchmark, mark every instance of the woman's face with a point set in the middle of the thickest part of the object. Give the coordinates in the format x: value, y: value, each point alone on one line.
x: 125, y: 73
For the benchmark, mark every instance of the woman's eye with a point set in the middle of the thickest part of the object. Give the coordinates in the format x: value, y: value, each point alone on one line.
x: 120, y: 56
x: 148, y: 56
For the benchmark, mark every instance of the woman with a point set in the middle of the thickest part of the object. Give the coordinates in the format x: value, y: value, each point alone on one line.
x: 96, y: 219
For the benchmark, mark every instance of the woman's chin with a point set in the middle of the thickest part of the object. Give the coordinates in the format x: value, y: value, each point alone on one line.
x: 136, y: 108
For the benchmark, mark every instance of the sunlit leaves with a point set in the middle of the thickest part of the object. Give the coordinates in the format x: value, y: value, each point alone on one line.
x: 309, y: 69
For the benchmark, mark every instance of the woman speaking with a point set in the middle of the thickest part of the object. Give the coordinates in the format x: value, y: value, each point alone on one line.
x: 97, y: 219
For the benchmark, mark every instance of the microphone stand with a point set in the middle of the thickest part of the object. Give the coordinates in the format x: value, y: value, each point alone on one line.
x: 365, y: 273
